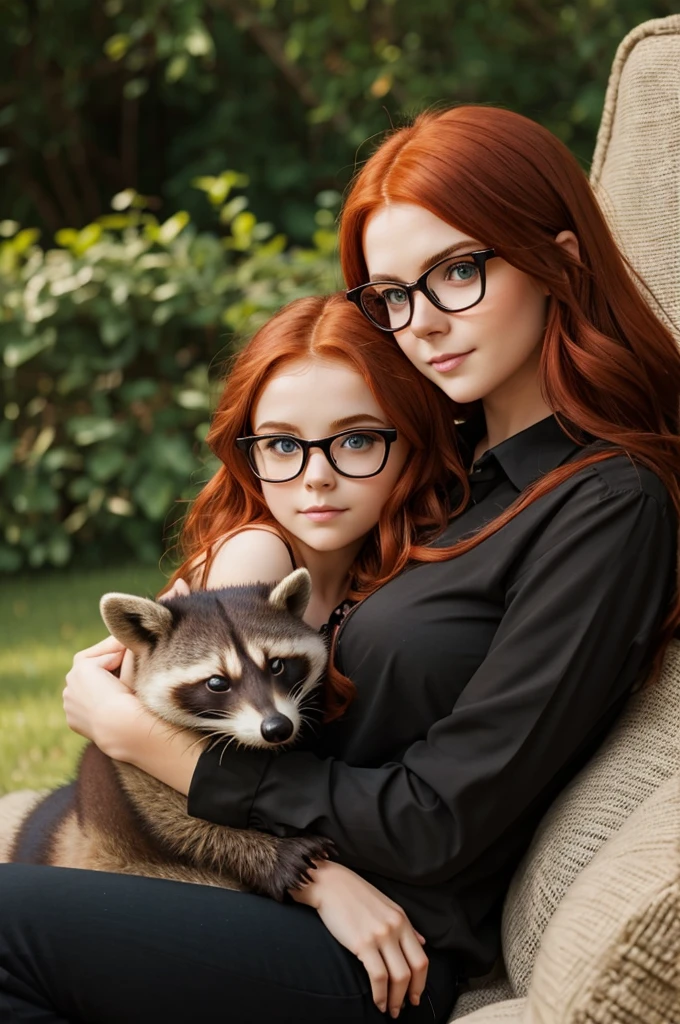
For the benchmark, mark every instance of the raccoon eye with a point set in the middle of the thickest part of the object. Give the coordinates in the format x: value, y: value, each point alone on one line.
x: 218, y: 684
x: 277, y: 665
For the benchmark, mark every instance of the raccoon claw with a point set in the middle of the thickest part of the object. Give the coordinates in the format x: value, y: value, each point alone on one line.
x: 296, y: 857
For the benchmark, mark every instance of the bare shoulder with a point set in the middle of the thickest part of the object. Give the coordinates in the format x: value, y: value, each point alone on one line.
x: 253, y: 555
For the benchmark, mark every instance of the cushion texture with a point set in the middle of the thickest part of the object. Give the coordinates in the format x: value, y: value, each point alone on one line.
x: 492, y: 988
x: 512, y: 1010
x: 611, y: 953
x: 638, y: 755
x: 636, y: 164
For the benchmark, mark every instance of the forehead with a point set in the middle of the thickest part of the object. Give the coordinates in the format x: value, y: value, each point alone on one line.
x: 312, y: 393
x: 400, y: 238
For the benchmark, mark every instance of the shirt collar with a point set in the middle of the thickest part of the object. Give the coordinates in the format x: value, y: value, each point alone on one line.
x: 526, y: 456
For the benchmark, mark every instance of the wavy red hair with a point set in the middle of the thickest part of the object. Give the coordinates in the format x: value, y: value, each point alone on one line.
x: 328, y: 328
x: 609, y: 367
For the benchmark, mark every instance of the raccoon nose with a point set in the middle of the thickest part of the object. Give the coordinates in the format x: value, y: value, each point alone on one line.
x: 277, y: 729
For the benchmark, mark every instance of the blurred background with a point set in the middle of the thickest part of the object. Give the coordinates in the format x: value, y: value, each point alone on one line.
x: 171, y: 174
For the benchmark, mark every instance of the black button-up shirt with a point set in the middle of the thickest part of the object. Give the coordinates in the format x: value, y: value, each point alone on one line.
x: 483, y: 684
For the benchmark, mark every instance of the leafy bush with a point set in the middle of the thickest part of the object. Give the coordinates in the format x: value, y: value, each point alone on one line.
x: 150, y: 93
x: 111, y: 345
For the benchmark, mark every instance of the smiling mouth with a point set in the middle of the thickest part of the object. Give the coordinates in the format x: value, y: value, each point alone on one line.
x: 448, y: 361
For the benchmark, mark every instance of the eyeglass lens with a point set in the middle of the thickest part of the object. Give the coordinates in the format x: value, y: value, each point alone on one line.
x: 282, y: 457
x: 455, y: 283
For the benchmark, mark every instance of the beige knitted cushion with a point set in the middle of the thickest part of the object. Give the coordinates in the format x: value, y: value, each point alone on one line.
x: 510, y: 1012
x: 636, y: 165
x: 492, y: 988
x: 611, y: 954
x: 638, y: 755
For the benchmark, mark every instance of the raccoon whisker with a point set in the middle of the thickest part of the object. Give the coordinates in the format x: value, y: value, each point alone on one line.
x: 228, y: 743
x: 196, y: 743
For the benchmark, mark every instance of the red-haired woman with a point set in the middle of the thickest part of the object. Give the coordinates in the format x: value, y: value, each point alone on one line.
x: 485, y: 674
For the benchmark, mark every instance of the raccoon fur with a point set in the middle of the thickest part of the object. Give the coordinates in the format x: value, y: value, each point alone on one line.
x: 237, y: 663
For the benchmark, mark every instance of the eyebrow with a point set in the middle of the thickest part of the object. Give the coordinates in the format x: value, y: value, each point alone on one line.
x: 467, y: 246
x: 271, y: 427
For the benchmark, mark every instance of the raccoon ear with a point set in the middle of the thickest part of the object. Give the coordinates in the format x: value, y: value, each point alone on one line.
x: 135, y: 621
x: 292, y: 594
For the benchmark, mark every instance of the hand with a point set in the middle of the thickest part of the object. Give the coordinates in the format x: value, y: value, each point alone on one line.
x: 96, y: 702
x: 372, y: 927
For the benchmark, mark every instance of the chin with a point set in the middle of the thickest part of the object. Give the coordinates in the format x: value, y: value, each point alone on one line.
x: 462, y: 393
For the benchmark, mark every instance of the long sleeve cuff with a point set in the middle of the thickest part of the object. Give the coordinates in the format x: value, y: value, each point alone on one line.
x: 225, y: 784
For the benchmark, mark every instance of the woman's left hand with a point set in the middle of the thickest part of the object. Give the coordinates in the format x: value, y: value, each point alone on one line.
x: 95, y: 700
x: 372, y: 927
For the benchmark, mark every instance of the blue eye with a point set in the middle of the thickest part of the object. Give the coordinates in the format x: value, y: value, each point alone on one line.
x: 283, y: 446
x: 358, y: 442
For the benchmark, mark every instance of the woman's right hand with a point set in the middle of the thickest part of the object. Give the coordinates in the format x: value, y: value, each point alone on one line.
x: 372, y: 927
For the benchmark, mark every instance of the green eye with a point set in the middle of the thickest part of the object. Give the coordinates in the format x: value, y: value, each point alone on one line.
x: 395, y: 297
x: 462, y: 272
x: 277, y: 665
x: 218, y: 684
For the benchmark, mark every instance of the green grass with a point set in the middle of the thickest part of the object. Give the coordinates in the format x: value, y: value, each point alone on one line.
x: 44, y: 620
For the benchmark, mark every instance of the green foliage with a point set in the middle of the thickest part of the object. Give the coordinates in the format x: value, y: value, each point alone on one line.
x: 99, y: 97
x: 110, y: 344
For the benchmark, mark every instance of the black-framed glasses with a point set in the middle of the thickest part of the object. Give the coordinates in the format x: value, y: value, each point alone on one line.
x: 277, y: 458
x: 453, y: 284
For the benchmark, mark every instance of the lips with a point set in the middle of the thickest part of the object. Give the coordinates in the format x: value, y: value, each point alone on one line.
x: 322, y: 513
x: 448, y: 361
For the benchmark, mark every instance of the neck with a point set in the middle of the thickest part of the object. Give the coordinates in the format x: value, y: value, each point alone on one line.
x: 329, y: 571
x: 513, y: 407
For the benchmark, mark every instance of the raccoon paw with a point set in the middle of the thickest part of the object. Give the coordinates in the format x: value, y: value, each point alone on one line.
x: 295, y: 863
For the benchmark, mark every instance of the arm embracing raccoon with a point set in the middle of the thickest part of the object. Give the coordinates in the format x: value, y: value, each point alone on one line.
x: 236, y: 664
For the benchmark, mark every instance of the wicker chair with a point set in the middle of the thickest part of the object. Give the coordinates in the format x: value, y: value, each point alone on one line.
x: 591, y: 922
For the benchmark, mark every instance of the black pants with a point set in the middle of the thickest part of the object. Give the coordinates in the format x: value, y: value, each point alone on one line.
x: 85, y: 947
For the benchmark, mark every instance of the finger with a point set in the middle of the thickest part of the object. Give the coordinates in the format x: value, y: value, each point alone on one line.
x: 399, y: 975
x: 418, y: 965
x: 377, y: 975
x: 127, y: 670
x: 105, y: 646
x: 421, y: 938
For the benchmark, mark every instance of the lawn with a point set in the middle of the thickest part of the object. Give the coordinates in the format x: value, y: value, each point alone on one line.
x: 44, y: 620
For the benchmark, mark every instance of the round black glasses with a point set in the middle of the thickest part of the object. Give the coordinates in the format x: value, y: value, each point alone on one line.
x: 453, y: 284
x: 277, y: 458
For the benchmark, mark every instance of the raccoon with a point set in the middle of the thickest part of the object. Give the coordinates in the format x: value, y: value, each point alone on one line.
x: 237, y: 663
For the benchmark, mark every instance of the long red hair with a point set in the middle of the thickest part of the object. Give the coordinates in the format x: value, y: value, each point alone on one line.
x: 609, y: 366
x: 328, y: 328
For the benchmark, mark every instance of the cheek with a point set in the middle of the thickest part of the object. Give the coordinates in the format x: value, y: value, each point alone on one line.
x: 375, y: 493
x: 407, y: 343
x: 278, y: 498
x: 521, y: 308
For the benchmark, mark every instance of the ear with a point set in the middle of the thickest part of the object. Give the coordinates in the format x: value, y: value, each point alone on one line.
x: 135, y: 621
x: 569, y: 241
x: 292, y: 594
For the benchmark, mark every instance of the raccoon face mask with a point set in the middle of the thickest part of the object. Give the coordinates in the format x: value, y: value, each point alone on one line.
x: 237, y: 662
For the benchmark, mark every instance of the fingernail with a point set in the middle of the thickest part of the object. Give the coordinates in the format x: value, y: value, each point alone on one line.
x: 394, y: 1013
x: 382, y: 1007
x: 415, y: 1000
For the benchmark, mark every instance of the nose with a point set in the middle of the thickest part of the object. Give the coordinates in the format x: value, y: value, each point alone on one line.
x: 319, y: 474
x: 427, y: 320
x: 277, y: 729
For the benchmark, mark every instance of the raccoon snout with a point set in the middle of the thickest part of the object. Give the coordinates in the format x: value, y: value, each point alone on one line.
x: 277, y: 729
